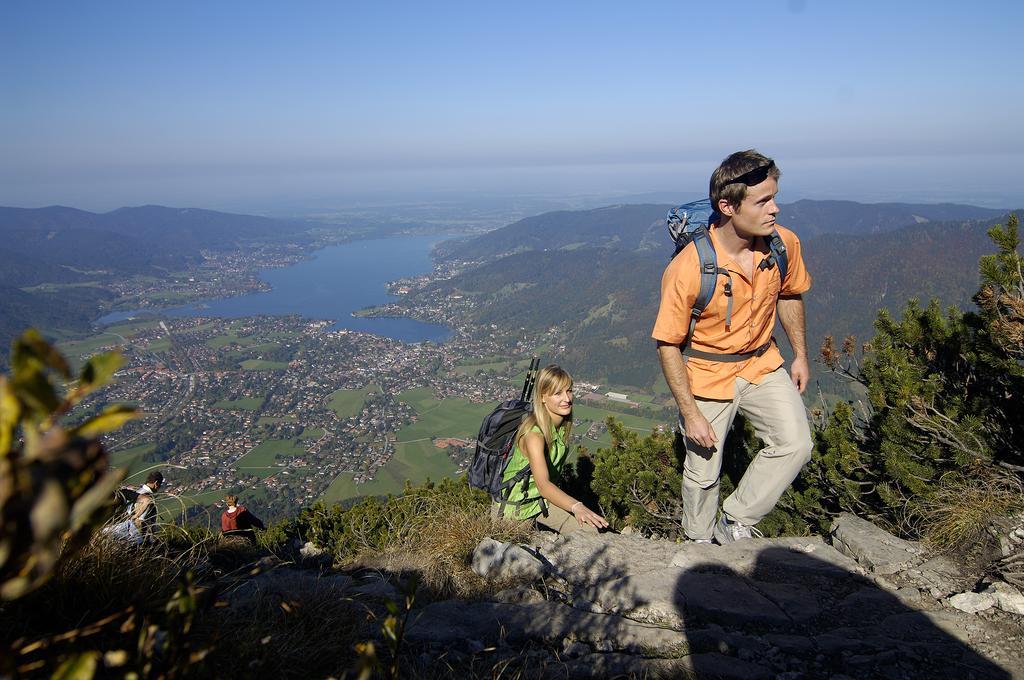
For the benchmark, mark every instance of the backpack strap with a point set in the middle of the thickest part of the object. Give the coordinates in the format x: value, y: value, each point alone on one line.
x: 778, y: 257
x: 505, y: 490
x: 709, y: 273
x: 729, y: 358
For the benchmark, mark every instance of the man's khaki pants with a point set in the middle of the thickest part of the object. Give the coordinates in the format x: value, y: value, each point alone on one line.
x: 777, y: 413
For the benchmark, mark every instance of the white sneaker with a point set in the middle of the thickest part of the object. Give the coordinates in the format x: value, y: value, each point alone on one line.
x: 730, y: 532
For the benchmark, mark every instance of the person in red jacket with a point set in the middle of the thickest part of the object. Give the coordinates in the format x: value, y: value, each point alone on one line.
x: 236, y: 519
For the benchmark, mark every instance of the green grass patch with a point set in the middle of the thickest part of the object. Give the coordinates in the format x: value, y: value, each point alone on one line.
x: 471, y: 369
x: 274, y: 420
x: 445, y: 418
x: 347, y: 403
x: 131, y: 328
x: 243, y: 404
x: 162, y: 344
x: 260, y: 460
x: 131, y: 459
x: 87, y: 347
x: 416, y: 459
x: 415, y: 462
x: 312, y: 433
x: 421, y: 399
x: 584, y: 415
x: 261, y: 365
x: 57, y: 287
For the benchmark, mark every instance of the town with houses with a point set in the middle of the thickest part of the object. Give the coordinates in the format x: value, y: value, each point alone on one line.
x: 290, y: 411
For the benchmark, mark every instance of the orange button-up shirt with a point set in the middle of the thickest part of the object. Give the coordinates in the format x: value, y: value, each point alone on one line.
x: 753, y: 314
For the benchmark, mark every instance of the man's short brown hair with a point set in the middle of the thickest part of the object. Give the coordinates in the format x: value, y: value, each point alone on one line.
x: 737, y: 172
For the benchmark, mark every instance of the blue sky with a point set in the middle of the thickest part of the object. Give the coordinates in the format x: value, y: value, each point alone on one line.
x: 235, y: 104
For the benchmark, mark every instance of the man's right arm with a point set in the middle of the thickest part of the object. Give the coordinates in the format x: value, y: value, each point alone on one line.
x: 672, y: 365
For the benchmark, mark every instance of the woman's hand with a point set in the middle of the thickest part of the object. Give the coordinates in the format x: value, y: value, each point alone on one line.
x: 585, y: 516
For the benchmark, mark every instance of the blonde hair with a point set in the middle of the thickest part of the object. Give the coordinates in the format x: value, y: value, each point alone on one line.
x: 550, y: 380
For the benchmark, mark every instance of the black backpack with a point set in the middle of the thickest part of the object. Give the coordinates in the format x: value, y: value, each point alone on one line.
x: 495, y: 442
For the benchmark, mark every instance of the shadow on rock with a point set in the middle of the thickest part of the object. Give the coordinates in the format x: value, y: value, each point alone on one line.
x: 791, y: 611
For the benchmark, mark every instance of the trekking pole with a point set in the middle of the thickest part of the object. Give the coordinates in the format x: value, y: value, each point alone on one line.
x: 526, y: 383
x: 531, y: 379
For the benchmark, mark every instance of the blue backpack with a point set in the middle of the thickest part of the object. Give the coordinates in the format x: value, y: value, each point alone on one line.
x: 689, y: 223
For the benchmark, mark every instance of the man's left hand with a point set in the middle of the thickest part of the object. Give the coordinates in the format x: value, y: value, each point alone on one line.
x: 801, y: 373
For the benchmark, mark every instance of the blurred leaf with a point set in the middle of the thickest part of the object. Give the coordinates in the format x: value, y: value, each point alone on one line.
x: 33, y: 388
x: 96, y: 498
x: 111, y: 418
x: 10, y: 412
x: 81, y: 666
x: 99, y: 369
x: 31, y: 349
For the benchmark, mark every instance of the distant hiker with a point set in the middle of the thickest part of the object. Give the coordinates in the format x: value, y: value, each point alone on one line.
x: 732, y: 363
x: 541, y: 445
x: 142, y: 512
x: 236, y: 520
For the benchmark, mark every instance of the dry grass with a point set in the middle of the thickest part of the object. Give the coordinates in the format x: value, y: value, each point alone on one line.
x: 299, y: 627
x: 437, y: 542
x: 956, y: 516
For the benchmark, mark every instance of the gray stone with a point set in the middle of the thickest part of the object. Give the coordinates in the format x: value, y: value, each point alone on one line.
x: 668, y: 597
x: 697, y: 665
x: 449, y: 623
x: 591, y: 558
x: 377, y: 588
x: 496, y: 560
x: 910, y: 596
x: 575, y: 650
x: 789, y: 559
x: 791, y: 644
x: 872, y: 547
x: 972, y: 603
x: 799, y: 603
x: 310, y: 549
x: 289, y: 583
x: 518, y: 595
x: 1006, y: 597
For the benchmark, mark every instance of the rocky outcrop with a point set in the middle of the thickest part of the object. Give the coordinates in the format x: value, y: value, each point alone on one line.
x: 868, y: 605
x: 857, y: 603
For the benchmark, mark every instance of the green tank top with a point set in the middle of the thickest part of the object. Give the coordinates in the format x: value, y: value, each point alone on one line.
x: 526, y: 495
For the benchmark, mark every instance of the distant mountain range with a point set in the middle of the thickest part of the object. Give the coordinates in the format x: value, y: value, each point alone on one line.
x: 595, y: 274
x: 59, y: 245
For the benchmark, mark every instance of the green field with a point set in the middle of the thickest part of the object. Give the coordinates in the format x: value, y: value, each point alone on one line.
x: 260, y: 460
x: 416, y: 458
x: 89, y: 346
x: 131, y: 459
x: 273, y: 420
x: 421, y: 399
x: 415, y: 462
x: 261, y: 365
x: 584, y: 415
x: 243, y: 404
x: 312, y: 433
x: 347, y: 403
x: 447, y: 418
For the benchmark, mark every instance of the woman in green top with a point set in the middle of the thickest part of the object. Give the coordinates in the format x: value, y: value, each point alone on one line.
x: 541, y: 445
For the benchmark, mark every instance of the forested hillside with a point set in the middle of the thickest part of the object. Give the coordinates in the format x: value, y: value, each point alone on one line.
x: 78, y: 254
x: 604, y: 297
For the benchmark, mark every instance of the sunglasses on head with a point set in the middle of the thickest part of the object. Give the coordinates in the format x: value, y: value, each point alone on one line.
x: 755, y: 176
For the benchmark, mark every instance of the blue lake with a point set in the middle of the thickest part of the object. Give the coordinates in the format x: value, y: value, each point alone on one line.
x: 337, y: 281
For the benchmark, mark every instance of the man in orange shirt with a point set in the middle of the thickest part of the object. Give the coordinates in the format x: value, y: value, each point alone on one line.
x: 732, y: 363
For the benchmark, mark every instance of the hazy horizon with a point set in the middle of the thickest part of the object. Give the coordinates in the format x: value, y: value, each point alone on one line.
x: 256, y: 107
